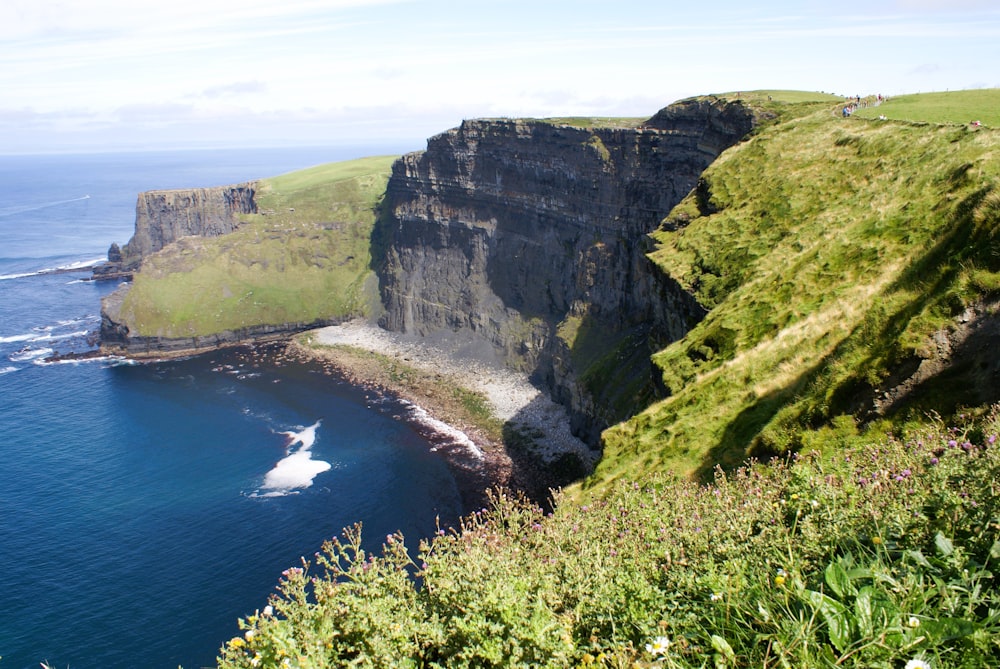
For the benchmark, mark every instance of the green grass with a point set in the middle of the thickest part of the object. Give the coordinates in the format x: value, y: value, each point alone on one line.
x: 304, y: 257
x: 829, y: 250
x: 957, y: 107
x: 782, y: 96
x: 594, y: 121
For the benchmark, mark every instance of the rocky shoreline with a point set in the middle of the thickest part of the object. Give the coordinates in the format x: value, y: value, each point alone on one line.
x: 524, y: 442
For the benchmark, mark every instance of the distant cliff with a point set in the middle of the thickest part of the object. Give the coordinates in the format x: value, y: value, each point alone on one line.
x: 164, y: 216
x: 531, y: 236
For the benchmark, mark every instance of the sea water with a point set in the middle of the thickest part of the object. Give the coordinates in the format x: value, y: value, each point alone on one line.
x: 145, y: 508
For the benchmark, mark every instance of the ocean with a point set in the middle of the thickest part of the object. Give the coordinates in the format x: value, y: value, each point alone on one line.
x: 144, y: 508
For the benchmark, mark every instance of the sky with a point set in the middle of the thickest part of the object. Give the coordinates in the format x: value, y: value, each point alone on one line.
x: 133, y: 74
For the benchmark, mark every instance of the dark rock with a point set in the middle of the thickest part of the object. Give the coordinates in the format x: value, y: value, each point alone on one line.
x: 507, y: 228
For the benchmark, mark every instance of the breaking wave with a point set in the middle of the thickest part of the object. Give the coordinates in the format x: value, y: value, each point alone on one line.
x: 297, y: 469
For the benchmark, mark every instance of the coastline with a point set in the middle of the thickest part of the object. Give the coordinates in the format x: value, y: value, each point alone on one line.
x: 494, y: 426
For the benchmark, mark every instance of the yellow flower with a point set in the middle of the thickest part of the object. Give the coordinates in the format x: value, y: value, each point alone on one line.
x: 876, y: 540
x: 236, y: 643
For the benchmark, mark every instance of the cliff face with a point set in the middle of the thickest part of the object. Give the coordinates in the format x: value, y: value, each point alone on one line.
x: 163, y: 216
x: 532, y: 237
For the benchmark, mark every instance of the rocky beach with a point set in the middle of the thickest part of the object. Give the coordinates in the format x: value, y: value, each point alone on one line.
x: 495, y: 427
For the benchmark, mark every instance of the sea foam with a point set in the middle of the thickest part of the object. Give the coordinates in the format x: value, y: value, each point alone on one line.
x: 297, y: 469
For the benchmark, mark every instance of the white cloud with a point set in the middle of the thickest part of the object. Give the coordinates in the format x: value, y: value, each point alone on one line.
x: 163, y: 71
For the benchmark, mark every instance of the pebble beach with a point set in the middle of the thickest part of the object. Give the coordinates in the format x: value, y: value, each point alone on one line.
x: 511, y: 397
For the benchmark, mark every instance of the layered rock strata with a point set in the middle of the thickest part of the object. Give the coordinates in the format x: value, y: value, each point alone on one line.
x: 531, y: 236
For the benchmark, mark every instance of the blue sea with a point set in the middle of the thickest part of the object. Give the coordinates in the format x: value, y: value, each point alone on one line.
x: 144, y: 508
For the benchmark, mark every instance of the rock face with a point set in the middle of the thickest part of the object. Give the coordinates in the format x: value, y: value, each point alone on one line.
x: 163, y: 216
x: 531, y: 236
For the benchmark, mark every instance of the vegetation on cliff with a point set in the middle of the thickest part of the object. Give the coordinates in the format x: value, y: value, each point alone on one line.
x: 835, y: 255
x: 303, y: 258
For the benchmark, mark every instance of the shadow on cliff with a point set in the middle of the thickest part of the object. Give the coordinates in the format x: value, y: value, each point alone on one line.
x: 533, y: 430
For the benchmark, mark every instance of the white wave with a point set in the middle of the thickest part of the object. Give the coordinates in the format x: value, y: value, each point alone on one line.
x: 13, y: 339
x: 38, y: 336
x: 26, y: 354
x: 65, y: 335
x: 70, y: 267
x: 8, y: 370
x: 80, y: 264
x: 113, y: 360
x: 5, y: 277
x: 419, y: 415
x: 297, y: 469
x: 13, y: 211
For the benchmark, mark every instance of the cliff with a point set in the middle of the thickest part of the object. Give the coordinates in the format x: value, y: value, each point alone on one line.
x: 531, y: 236
x: 164, y: 216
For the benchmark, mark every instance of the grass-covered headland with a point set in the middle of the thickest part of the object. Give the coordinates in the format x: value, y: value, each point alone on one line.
x: 304, y: 258
x: 883, y: 555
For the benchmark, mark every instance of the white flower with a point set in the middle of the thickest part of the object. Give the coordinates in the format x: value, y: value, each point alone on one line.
x: 659, y: 646
x: 716, y: 596
x: 913, y: 622
x: 917, y: 664
x: 268, y: 610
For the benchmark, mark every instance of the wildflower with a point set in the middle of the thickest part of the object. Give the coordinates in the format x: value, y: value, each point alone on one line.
x: 659, y: 646
x: 917, y: 663
x: 779, y: 578
x: 913, y: 622
x: 716, y: 596
x: 236, y: 643
x: 268, y: 610
x: 876, y: 540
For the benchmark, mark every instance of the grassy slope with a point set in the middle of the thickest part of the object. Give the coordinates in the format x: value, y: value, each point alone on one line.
x: 830, y: 250
x: 951, y: 108
x: 304, y: 257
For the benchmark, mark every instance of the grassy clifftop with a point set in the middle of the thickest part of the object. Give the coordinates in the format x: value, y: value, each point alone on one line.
x: 834, y: 253
x: 303, y: 258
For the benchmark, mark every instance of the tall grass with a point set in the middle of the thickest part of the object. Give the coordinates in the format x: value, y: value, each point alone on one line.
x: 830, y: 251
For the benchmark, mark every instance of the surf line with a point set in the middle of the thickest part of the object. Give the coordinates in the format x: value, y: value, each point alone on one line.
x: 297, y: 469
x: 14, y: 211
